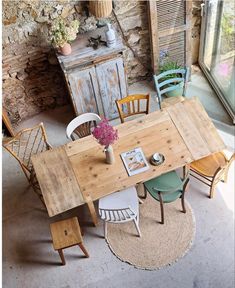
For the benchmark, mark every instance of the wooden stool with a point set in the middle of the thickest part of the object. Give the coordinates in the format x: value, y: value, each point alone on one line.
x: 66, y: 233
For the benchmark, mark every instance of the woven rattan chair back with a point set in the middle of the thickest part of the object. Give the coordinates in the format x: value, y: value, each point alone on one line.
x: 26, y: 143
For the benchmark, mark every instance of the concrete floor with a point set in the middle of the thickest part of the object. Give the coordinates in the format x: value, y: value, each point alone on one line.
x: 29, y: 260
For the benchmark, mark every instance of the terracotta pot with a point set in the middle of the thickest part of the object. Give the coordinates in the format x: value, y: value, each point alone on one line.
x: 66, y: 49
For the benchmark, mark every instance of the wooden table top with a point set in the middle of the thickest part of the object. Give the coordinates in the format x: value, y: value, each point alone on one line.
x: 72, y: 174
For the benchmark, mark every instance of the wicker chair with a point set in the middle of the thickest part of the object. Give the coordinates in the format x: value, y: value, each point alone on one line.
x: 25, y: 144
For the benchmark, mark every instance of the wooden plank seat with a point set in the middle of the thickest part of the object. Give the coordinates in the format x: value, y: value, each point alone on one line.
x: 212, y: 169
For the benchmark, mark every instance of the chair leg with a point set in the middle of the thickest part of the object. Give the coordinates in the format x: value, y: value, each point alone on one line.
x: 182, y: 202
x: 83, y: 250
x: 105, y: 229
x: 162, y: 208
x: 145, y: 193
x: 60, y: 251
x: 225, y: 176
x: 212, y: 190
x: 137, y: 226
x: 140, y: 201
x: 42, y: 200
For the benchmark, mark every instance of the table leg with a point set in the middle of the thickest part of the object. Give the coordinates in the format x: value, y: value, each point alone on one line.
x: 91, y: 208
x: 185, y: 170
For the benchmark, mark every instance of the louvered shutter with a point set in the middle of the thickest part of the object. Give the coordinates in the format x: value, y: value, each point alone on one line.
x: 170, y: 29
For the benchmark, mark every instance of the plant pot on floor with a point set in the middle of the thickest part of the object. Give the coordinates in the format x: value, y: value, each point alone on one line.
x: 66, y: 49
x: 178, y: 91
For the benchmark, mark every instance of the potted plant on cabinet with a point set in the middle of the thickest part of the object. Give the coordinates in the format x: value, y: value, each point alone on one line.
x: 62, y: 34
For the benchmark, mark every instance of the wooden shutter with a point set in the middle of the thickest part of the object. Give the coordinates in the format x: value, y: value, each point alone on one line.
x: 170, y: 29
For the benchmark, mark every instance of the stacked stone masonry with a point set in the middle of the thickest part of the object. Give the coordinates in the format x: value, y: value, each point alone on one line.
x: 32, y: 78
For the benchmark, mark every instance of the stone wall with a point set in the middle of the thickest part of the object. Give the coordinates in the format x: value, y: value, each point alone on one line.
x: 32, y: 78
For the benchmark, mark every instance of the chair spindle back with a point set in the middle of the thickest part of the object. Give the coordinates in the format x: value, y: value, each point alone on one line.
x: 132, y: 105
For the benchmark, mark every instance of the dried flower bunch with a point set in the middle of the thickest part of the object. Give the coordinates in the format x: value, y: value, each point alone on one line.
x: 62, y: 32
x: 105, y: 133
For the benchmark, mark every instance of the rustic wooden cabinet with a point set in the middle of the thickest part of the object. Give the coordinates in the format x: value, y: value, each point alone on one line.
x: 95, y: 78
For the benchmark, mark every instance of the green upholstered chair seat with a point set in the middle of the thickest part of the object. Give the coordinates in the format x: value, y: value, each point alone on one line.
x: 165, y: 183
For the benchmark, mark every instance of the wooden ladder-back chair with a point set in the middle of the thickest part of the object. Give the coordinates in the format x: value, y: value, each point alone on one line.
x: 26, y: 143
x: 212, y: 169
x: 133, y: 105
x: 82, y: 125
x: 171, y: 81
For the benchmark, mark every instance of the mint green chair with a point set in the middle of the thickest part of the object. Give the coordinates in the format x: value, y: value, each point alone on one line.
x: 167, y: 188
x: 172, y: 83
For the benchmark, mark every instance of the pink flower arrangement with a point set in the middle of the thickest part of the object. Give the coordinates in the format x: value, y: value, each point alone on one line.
x: 105, y: 133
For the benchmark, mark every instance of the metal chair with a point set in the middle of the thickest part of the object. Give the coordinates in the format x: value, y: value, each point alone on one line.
x: 132, y: 105
x: 167, y: 188
x: 120, y: 207
x: 212, y: 169
x: 171, y: 81
x: 82, y: 125
x: 25, y: 144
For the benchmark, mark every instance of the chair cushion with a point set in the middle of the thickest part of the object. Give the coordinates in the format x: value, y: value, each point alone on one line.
x: 167, y: 181
x: 208, y: 165
x: 122, y: 199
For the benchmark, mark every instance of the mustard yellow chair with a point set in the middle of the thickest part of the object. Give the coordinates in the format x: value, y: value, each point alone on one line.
x: 131, y: 105
x: 212, y: 169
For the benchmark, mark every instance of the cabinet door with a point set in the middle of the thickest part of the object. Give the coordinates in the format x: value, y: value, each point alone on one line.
x: 85, y: 91
x: 112, y: 83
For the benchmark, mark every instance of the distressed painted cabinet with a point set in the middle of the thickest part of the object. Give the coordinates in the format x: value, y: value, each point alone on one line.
x: 95, y: 78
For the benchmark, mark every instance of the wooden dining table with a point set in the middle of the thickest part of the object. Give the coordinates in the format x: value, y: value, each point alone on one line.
x: 76, y: 173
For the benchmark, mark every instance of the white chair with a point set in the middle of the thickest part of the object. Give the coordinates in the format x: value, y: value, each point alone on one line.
x: 120, y: 207
x: 81, y: 125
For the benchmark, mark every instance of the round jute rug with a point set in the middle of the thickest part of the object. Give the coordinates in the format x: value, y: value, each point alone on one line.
x: 160, y: 244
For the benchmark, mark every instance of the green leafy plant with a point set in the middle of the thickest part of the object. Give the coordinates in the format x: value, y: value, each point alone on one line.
x: 62, y: 32
x: 169, y: 65
x: 166, y: 64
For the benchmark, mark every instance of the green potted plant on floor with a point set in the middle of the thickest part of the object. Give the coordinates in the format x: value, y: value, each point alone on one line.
x: 166, y: 64
x: 62, y: 34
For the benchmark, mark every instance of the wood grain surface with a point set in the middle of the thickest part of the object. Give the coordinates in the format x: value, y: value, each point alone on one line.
x: 57, y: 181
x: 182, y: 133
x: 65, y: 233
